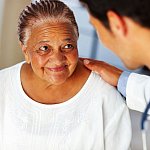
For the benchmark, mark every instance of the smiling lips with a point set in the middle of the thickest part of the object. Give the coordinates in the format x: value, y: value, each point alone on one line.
x: 58, y: 69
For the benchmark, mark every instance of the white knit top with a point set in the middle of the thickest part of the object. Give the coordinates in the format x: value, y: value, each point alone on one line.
x: 96, y: 118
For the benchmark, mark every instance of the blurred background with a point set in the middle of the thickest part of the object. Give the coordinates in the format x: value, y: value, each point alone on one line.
x: 88, y: 45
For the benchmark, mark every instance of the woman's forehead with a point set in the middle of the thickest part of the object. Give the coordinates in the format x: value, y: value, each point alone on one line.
x: 52, y: 29
x: 52, y: 32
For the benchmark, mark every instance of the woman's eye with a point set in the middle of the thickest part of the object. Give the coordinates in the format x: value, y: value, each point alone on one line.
x: 68, y: 46
x: 43, y: 48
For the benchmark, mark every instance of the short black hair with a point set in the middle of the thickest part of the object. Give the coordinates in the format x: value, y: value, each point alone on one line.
x: 137, y: 10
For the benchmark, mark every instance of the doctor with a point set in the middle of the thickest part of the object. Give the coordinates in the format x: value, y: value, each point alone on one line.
x: 124, y: 27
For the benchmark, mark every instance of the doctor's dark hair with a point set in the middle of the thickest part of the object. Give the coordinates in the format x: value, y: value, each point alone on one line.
x: 137, y: 10
x: 53, y: 11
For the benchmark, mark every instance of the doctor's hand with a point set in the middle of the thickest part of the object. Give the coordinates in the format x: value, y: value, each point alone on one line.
x: 108, y: 72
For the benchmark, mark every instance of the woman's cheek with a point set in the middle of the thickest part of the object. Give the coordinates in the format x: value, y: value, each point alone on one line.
x: 74, y: 56
x: 39, y: 61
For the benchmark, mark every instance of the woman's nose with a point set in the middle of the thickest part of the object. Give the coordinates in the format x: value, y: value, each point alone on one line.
x: 57, y: 57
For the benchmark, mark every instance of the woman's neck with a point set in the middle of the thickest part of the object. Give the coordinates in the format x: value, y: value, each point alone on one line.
x: 42, y: 92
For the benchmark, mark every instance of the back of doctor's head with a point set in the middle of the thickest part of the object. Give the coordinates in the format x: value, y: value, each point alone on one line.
x: 137, y: 10
x: 43, y: 11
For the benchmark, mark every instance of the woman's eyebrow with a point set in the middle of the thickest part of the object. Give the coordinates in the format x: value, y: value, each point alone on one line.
x: 43, y: 41
x: 69, y: 39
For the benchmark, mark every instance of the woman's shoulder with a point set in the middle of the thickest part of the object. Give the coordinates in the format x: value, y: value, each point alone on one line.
x: 105, y: 90
x: 100, y: 83
x: 9, y: 72
x: 111, y: 98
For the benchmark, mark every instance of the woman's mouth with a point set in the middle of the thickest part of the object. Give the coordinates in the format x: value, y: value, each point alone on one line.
x: 58, y: 68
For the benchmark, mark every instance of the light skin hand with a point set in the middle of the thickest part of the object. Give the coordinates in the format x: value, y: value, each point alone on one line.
x: 108, y: 72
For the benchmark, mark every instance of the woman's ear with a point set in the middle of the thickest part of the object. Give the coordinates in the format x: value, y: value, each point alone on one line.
x: 117, y: 23
x: 25, y: 52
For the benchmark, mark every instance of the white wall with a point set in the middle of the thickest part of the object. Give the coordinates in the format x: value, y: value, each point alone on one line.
x: 1, y: 11
x: 10, y: 51
x: 1, y: 16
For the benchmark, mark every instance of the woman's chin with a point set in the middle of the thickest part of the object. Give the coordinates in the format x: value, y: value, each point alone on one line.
x: 57, y: 80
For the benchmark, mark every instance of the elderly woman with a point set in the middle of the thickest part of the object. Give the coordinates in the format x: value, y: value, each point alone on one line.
x: 51, y: 102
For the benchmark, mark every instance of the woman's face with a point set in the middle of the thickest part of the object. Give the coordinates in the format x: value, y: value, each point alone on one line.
x: 52, y: 52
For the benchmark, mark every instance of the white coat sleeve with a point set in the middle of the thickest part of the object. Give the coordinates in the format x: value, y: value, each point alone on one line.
x: 138, y: 91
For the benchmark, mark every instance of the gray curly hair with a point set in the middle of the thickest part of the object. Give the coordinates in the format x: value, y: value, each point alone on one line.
x: 44, y: 11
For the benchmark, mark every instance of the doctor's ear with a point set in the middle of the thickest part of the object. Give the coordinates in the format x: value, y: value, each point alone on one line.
x: 117, y: 23
x: 25, y: 52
